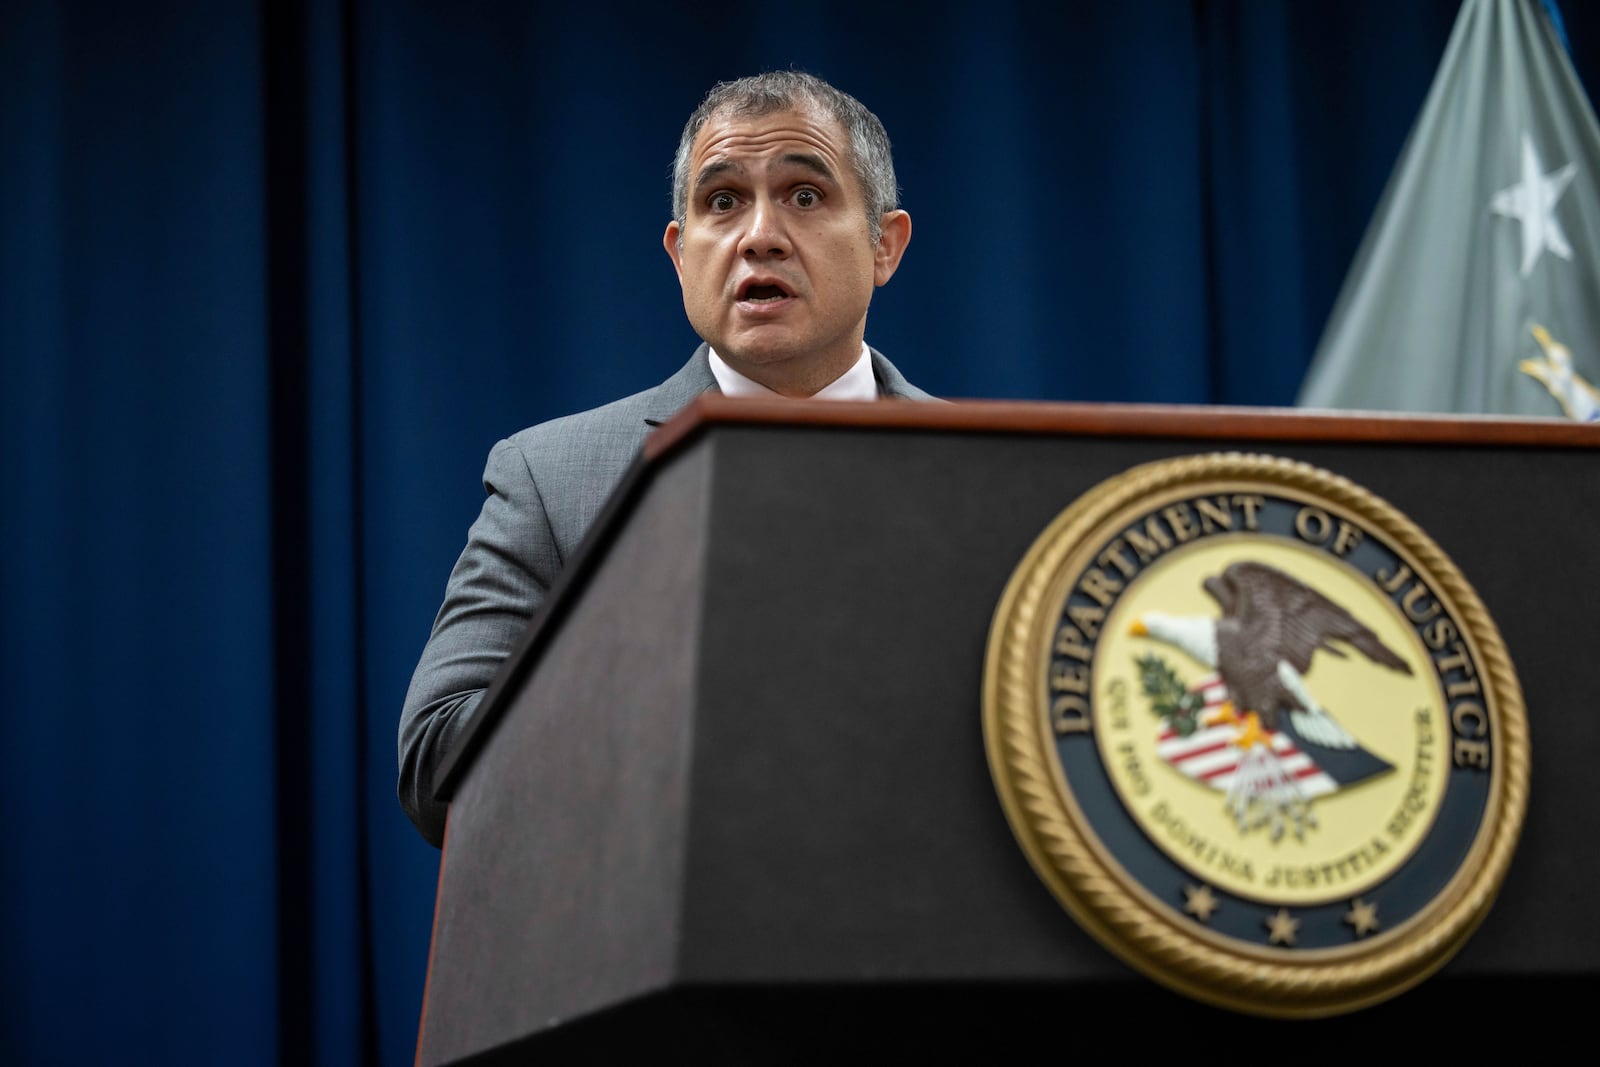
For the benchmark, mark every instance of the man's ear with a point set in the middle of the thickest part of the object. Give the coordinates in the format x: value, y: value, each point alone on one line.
x: 892, y: 241
x: 670, y: 241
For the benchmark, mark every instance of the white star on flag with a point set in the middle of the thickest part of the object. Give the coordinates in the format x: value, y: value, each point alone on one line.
x: 1532, y: 202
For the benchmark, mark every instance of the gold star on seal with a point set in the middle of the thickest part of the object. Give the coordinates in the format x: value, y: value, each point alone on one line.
x: 1282, y: 927
x: 1199, y: 901
x: 1364, y: 917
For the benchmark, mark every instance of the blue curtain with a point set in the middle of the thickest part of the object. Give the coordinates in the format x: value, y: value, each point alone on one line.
x: 274, y: 277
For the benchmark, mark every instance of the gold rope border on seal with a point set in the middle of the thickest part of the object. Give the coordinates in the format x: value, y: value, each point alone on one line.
x: 1105, y: 900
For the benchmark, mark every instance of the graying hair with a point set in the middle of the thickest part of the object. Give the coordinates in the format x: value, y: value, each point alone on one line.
x: 788, y: 90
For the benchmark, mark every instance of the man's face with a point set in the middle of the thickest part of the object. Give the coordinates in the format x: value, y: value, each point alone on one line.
x: 776, y: 260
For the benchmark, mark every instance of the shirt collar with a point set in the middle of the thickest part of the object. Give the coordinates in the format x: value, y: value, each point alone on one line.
x: 857, y: 383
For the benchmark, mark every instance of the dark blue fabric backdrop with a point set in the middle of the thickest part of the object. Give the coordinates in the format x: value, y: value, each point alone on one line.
x: 274, y: 277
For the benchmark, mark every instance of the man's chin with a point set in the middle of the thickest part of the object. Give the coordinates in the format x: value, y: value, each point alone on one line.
x: 787, y: 370
x: 761, y: 351
x: 758, y: 357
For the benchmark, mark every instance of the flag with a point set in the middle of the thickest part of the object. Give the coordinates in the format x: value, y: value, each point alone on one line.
x: 1477, y: 286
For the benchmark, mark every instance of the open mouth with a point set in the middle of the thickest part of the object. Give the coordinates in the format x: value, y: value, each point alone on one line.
x: 757, y: 292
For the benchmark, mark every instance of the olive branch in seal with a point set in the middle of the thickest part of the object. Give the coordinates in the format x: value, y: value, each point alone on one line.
x: 1178, y: 706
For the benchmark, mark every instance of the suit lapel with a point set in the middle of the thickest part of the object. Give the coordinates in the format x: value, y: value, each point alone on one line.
x: 890, y: 381
x: 680, y: 390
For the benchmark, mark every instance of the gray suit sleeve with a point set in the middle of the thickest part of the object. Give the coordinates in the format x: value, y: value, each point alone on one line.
x: 501, y: 578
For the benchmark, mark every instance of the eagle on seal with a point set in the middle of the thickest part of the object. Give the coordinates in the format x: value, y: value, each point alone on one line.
x: 1271, y: 626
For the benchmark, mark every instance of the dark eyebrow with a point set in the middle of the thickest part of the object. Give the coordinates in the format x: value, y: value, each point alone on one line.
x: 810, y: 162
x: 804, y: 160
x: 711, y: 170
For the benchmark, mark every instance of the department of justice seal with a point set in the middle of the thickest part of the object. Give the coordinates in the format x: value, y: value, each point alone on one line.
x: 1257, y: 733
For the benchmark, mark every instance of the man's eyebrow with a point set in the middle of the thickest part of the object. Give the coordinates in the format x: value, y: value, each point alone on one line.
x: 815, y: 164
x: 714, y: 168
x: 806, y: 160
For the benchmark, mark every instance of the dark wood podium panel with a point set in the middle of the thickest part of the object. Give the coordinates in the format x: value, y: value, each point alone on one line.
x: 742, y: 752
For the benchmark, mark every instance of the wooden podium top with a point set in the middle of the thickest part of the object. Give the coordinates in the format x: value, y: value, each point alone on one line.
x: 1129, y: 420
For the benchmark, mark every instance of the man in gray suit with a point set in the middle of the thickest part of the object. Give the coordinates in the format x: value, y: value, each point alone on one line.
x: 785, y: 220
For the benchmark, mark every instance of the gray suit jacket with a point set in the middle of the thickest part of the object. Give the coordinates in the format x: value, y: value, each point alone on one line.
x: 545, y: 486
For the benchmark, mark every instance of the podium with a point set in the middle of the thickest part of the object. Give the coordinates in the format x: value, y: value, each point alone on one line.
x: 729, y: 800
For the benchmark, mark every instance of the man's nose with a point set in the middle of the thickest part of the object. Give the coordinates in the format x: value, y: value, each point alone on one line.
x: 766, y: 235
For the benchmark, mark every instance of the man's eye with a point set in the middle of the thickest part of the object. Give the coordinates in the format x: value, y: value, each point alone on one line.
x: 721, y: 202
x: 807, y: 198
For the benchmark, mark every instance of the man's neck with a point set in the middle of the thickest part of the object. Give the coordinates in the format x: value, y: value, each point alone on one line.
x: 855, y: 382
